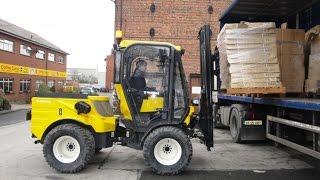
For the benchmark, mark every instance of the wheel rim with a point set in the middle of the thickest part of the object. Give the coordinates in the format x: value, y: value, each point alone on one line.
x: 167, y: 151
x: 234, y: 127
x: 66, y: 149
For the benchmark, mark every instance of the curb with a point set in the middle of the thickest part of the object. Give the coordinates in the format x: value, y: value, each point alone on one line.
x: 10, y: 111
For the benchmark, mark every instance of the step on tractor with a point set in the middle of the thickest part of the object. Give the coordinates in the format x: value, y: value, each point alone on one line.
x: 154, y: 116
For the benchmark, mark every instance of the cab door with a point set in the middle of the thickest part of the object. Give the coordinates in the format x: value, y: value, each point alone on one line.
x: 146, y: 81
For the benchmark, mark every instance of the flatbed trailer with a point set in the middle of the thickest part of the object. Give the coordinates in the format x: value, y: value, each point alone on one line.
x: 305, y: 104
x: 291, y: 121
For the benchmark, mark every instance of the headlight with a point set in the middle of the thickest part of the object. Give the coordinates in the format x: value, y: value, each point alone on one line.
x: 195, y: 102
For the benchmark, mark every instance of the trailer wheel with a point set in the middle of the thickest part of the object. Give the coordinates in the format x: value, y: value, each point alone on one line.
x: 235, y: 125
x: 216, y: 118
x: 68, y: 148
x: 167, y: 150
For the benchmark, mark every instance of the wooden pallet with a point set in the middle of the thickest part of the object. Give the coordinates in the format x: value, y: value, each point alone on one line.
x: 257, y: 91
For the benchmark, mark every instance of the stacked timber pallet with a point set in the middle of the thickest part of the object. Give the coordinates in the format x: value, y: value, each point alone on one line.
x: 258, y: 58
x: 313, y: 81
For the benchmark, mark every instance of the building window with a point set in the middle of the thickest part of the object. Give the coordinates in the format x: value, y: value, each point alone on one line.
x: 60, y: 59
x: 50, y: 83
x: 60, y: 83
x: 38, y: 83
x: 25, y: 50
x: 40, y: 54
x: 6, y: 85
x: 25, y: 85
x: 50, y: 57
x: 6, y: 45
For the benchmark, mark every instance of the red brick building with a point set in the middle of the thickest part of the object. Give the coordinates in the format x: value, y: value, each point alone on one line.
x: 26, y: 61
x: 173, y: 21
x: 109, y: 71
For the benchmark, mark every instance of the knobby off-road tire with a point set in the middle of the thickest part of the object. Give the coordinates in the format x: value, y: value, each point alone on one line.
x: 167, y: 150
x: 68, y: 148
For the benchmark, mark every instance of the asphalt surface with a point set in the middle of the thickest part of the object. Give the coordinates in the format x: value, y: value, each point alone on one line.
x: 20, y: 158
x: 13, y: 117
x: 304, y: 174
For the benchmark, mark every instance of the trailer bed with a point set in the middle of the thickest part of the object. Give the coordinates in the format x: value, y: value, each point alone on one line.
x: 288, y: 102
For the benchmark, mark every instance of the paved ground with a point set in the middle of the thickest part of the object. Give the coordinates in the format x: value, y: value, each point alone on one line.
x: 21, y: 159
x: 16, y: 107
x: 13, y: 117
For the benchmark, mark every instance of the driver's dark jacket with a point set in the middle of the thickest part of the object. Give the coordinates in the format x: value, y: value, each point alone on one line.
x: 138, y: 83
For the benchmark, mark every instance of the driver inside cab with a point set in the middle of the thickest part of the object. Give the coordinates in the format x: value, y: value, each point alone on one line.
x: 138, y: 80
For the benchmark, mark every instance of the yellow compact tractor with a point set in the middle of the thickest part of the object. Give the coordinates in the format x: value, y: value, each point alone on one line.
x: 155, y: 115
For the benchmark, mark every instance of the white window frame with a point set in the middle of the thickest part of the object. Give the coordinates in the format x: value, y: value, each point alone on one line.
x: 6, y: 45
x: 40, y: 54
x: 50, y: 83
x: 60, y: 59
x: 25, y: 50
x: 38, y: 83
x: 25, y: 85
x: 51, y: 57
x: 8, y: 82
x: 60, y: 83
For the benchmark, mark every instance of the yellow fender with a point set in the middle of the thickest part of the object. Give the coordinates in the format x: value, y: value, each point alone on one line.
x: 48, y: 111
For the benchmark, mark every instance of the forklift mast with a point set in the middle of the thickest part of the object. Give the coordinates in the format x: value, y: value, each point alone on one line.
x: 206, y: 72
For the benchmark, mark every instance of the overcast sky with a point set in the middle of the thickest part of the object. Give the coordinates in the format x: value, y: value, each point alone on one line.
x: 83, y: 28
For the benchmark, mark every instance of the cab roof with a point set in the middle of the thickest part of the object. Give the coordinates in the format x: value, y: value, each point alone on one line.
x: 127, y: 43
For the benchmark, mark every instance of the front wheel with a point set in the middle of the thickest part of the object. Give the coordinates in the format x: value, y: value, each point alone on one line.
x: 167, y: 150
x: 68, y: 148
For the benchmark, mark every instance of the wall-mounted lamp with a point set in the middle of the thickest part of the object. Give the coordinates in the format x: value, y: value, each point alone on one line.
x: 152, y: 8
x: 152, y: 32
x: 210, y: 9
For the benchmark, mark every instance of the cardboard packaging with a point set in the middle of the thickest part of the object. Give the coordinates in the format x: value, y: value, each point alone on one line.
x: 312, y: 37
x: 291, y: 59
x: 313, y: 40
x: 313, y: 81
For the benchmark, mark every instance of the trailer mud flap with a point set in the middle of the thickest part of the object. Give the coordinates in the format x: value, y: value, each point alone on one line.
x: 253, y: 130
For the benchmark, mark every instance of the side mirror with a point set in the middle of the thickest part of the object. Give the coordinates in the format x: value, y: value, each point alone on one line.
x: 82, y: 107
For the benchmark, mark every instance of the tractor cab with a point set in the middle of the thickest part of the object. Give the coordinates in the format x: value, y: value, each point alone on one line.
x: 150, y: 84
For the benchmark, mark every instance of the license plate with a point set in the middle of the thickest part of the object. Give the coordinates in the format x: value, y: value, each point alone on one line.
x: 253, y: 123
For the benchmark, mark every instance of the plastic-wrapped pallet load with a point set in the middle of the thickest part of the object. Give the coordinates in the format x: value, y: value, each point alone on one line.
x: 260, y: 56
x: 251, y: 52
x: 313, y: 81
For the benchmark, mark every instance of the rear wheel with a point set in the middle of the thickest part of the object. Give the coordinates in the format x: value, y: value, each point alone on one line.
x: 68, y: 148
x: 167, y: 150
